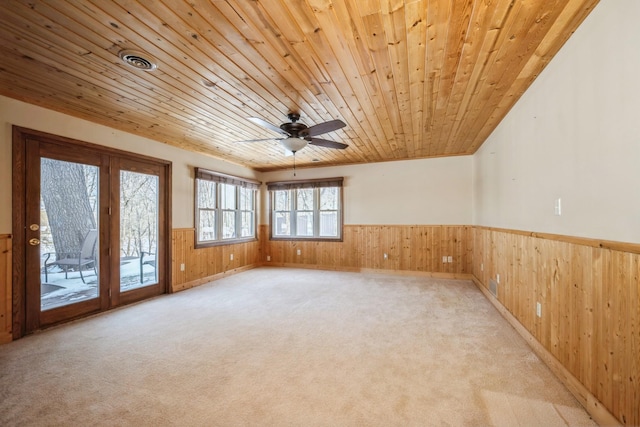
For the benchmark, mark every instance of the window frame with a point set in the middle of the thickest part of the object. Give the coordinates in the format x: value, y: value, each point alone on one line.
x: 219, y: 179
x: 316, y: 185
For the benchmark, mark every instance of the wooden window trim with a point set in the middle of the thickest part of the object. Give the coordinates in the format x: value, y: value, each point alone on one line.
x: 309, y: 183
x: 209, y: 175
x: 302, y: 184
x: 220, y: 178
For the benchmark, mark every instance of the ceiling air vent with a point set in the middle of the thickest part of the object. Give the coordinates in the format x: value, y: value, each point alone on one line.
x: 138, y: 60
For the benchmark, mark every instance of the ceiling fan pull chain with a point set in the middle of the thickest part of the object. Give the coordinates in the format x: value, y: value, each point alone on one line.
x: 294, y: 163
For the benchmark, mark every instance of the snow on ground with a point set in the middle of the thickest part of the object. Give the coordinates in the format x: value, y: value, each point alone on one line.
x: 58, y: 291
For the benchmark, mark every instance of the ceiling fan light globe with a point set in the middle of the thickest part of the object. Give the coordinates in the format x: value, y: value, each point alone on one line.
x: 294, y: 144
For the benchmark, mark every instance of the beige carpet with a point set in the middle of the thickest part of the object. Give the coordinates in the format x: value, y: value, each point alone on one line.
x: 288, y: 347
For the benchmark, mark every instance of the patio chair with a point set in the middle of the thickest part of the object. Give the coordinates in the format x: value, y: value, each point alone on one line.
x: 75, y: 260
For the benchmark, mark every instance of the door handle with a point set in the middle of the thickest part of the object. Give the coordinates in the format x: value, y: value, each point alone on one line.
x: 34, y: 242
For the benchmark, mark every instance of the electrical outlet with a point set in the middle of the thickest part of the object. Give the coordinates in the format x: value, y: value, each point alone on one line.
x: 481, y: 266
x: 230, y: 257
x: 444, y: 259
x: 386, y: 256
x: 299, y: 252
x: 182, y: 267
x: 497, y: 278
x: 538, y: 309
x: 268, y: 257
x: 449, y: 259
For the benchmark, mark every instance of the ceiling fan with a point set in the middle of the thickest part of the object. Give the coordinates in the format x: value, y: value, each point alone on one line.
x: 298, y: 135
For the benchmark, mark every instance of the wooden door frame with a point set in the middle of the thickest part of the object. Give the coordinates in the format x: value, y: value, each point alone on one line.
x: 36, y: 149
x: 139, y: 166
x: 20, y: 137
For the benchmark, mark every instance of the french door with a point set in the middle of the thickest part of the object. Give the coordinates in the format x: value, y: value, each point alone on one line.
x: 91, y: 227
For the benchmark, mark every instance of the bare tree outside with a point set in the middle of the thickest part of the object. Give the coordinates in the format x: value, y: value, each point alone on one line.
x: 206, y: 210
x: 138, y: 213
x: 305, y: 212
x: 138, y: 228
x: 66, y: 199
x: 69, y: 211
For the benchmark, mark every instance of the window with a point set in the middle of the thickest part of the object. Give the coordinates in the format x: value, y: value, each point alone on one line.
x: 306, y: 209
x: 225, y: 208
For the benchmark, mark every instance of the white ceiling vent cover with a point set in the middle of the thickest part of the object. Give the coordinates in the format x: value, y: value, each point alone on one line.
x: 138, y: 60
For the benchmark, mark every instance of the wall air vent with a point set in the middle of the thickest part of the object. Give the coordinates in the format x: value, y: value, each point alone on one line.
x: 138, y: 60
x: 493, y: 287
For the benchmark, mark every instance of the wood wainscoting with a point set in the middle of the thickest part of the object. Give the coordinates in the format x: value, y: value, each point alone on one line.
x: 409, y: 248
x: 203, y: 265
x: 589, y: 323
x: 6, y: 317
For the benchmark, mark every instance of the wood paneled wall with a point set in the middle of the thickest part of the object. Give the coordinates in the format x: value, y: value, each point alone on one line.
x: 5, y: 288
x: 589, y: 292
x: 410, y: 248
x: 205, y: 264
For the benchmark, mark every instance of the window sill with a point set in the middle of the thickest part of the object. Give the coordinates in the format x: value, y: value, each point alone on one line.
x: 307, y: 239
x: 226, y: 242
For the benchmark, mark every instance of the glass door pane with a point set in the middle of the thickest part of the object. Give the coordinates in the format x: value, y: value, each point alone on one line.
x: 92, y: 232
x: 69, y: 197
x: 138, y: 230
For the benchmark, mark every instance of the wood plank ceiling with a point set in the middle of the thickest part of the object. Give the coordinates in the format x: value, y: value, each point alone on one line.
x: 410, y: 78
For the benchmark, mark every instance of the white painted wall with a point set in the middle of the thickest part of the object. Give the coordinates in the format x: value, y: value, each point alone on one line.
x: 431, y: 191
x: 427, y: 191
x: 575, y: 134
x: 13, y: 112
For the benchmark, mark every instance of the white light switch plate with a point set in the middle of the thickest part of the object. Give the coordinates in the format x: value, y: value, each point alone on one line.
x: 558, y: 207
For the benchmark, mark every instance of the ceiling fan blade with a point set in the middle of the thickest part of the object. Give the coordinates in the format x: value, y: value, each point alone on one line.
x: 326, y: 143
x: 267, y: 125
x: 325, y: 127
